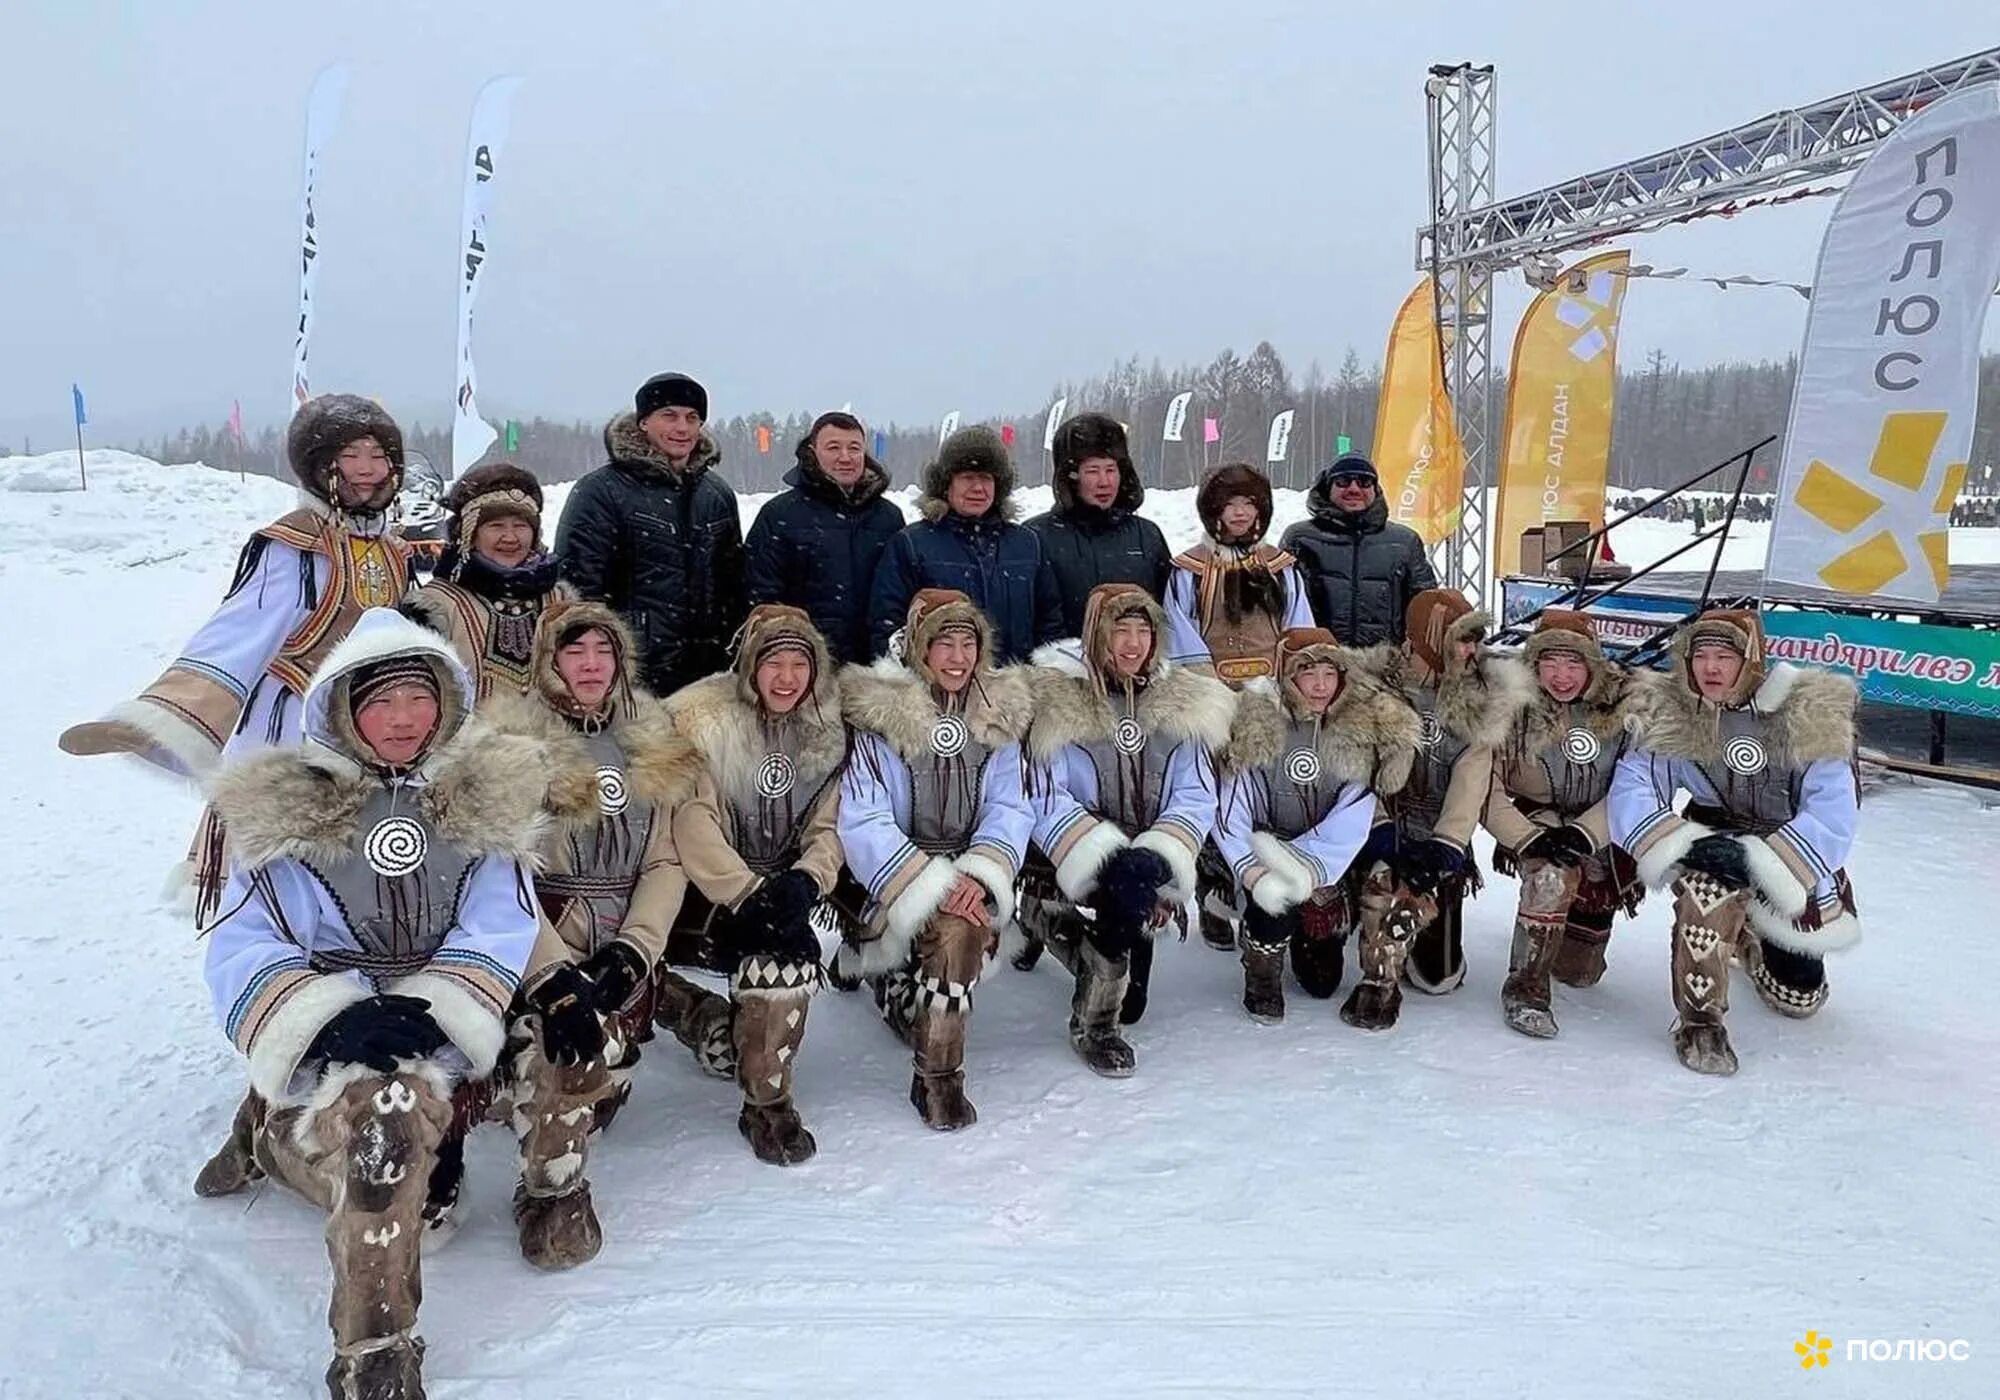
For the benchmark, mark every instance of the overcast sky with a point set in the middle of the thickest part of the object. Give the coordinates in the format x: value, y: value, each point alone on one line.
x: 913, y: 206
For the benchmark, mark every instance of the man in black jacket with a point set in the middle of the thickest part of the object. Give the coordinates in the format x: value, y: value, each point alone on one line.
x: 655, y: 533
x: 1095, y: 534
x: 815, y: 546
x: 1360, y: 570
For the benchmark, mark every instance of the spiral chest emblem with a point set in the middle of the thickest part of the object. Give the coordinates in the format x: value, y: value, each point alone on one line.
x: 1581, y: 747
x: 1745, y: 755
x: 948, y: 736
x: 1302, y: 767
x: 1429, y: 731
x: 775, y: 775
x: 1128, y: 736
x: 395, y: 846
x: 611, y: 792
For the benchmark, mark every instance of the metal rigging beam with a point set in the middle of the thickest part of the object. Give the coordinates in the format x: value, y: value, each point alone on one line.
x: 1771, y: 153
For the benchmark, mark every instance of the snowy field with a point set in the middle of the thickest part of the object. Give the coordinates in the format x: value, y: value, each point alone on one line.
x: 1301, y: 1210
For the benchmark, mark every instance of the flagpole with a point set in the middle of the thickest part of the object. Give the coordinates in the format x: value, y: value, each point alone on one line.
x: 81, y: 473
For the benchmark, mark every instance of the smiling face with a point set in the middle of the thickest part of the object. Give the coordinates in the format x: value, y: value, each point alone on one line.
x: 1239, y: 519
x: 1131, y: 646
x: 397, y: 722
x: 1097, y: 481
x: 673, y: 431
x: 1317, y: 685
x: 841, y: 454
x: 970, y: 494
x: 504, y: 540
x: 951, y: 658
x: 782, y: 679
x: 365, y: 477
x: 1352, y: 492
x: 588, y: 665
x: 1563, y: 675
x: 1717, y: 668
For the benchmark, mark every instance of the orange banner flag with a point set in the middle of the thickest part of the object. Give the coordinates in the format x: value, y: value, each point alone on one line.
x: 1417, y: 451
x: 763, y: 438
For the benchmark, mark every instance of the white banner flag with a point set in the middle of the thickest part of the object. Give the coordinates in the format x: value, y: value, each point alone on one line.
x: 948, y: 426
x: 1281, y: 437
x: 1882, y: 412
x: 1056, y: 411
x: 322, y: 115
x: 1176, y: 416
x: 471, y: 435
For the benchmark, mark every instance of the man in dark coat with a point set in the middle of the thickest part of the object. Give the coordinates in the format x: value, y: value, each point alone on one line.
x: 1360, y: 569
x: 967, y: 541
x: 1095, y: 534
x: 655, y: 533
x: 815, y: 546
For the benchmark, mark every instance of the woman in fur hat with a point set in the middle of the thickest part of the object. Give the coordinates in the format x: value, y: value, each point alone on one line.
x: 1229, y: 600
x: 1467, y: 702
x: 301, y: 583
x: 1756, y: 860
x: 375, y: 928
x: 934, y: 822
x: 760, y: 844
x: 1125, y: 795
x: 609, y: 886
x: 494, y: 576
x: 1550, y: 817
x: 1309, y: 768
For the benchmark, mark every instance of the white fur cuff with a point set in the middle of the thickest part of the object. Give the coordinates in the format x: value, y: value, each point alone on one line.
x: 469, y: 1023
x: 1175, y: 854
x: 282, y: 1043
x: 1076, y: 877
x: 1288, y: 881
x: 1773, y: 878
x: 1656, y: 867
x: 993, y: 879
x: 906, y: 916
x: 1842, y: 931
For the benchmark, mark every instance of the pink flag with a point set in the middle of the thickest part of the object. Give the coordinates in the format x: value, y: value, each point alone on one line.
x: 1007, y: 434
x: 1211, y: 431
x: 236, y: 422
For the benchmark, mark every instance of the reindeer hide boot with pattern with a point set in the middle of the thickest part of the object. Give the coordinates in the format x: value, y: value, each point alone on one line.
x: 697, y: 1018
x: 950, y: 954
x: 1391, y: 915
x: 553, y: 1109
x: 1265, y: 937
x: 1540, y: 923
x: 234, y: 1165
x: 1709, y: 919
x: 772, y: 997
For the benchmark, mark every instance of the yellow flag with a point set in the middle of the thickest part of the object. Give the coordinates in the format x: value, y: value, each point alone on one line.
x: 1417, y: 452
x: 1558, y: 438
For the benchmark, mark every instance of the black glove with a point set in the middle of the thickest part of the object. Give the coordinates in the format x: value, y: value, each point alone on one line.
x: 571, y: 1032
x: 1429, y: 863
x: 377, y: 1032
x: 1379, y: 847
x: 1565, y: 845
x: 1720, y: 857
x: 614, y: 971
x: 781, y: 901
x: 1129, y: 885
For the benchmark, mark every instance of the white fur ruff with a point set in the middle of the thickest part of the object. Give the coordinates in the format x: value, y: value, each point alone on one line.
x: 1774, y: 880
x: 275, y: 1054
x: 1656, y: 867
x: 476, y: 1031
x: 1287, y: 882
x: 1840, y: 932
x: 905, y: 918
x: 1077, y: 876
x: 1175, y: 854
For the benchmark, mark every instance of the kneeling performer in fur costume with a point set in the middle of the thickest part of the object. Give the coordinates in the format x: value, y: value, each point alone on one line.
x: 934, y: 823
x: 1550, y: 817
x: 373, y: 933
x: 1756, y: 859
x: 609, y: 888
x: 760, y: 845
x: 1466, y: 702
x: 1125, y: 797
x: 1308, y: 768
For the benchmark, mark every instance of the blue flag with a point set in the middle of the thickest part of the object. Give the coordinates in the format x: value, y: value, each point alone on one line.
x: 76, y: 396
x: 881, y: 444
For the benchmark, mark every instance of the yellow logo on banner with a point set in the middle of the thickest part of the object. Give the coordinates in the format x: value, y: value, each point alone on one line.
x: 1902, y: 461
x: 1815, y: 1350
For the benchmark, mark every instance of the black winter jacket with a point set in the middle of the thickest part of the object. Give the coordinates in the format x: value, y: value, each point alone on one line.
x: 991, y: 560
x: 1085, y: 545
x: 664, y: 546
x: 816, y: 547
x: 1360, y: 570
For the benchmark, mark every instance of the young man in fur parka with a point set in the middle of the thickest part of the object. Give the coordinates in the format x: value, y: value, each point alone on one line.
x: 934, y: 823
x: 609, y: 885
x: 1549, y: 813
x: 1125, y: 798
x: 374, y: 930
x: 760, y: 844
x: 300, y: 584
x: 1310, y: 764
x: 1466, y: 702
x: 1756, y: 860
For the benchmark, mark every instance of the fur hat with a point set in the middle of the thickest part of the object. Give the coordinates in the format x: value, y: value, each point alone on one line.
x: 1742, y: 631
x: 934, y: 612
x: 974, y: 449
x: 1435, y: 618
x: 1107, y: 606
x: 1563, y: 631
x: 1233, y: 479
x: 490, y: 492
x: 1084, y: 436
x: 330, y: 422
x: 669, y: 391
x: 564, y: 618
x: 1350, y: 464
x: 778, y: 627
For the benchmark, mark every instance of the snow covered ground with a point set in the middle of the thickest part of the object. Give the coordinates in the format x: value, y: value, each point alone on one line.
x: 1300, y: 1210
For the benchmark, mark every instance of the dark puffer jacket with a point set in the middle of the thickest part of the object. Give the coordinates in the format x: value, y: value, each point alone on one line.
x: 1360, y: 570
x: 991, y: 560
x: 1087, y: 545
x: 816, y: 547
x: 662, y: 545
